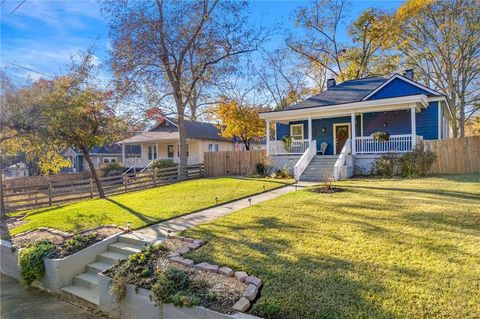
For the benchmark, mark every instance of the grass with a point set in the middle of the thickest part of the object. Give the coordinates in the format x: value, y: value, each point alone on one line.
x: 144, y: 207
x: 379, y: 249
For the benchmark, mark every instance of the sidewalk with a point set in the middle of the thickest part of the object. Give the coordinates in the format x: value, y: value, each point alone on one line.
x: 17, y: 301
x: 175, y: 225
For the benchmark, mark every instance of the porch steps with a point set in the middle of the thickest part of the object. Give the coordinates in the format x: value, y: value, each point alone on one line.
x: 319, y: 169
x: 84, y: 290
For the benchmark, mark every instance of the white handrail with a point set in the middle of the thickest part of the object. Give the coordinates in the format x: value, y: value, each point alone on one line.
x: 133, y: 166
x: 303, y: 162
x: 149, y: 164
x: 341, y: 160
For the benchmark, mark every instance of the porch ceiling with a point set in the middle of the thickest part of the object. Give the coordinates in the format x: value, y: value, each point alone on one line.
x: 151, y: 137
x: 392, y: 104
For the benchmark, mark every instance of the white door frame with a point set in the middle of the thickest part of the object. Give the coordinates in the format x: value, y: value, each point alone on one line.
x: 335, y: 134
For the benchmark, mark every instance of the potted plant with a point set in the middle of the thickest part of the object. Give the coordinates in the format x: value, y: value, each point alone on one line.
x: 287, y: 143
x: 381, y: 136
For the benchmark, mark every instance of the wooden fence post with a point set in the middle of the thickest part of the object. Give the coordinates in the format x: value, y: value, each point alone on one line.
x: 154, y: 177
x: 91, y: 188
x: 49, y: 193
x: 125, y: 182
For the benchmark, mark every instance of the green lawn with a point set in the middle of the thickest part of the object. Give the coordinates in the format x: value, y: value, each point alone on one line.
x: 147, y: 206
x: 380, y: 249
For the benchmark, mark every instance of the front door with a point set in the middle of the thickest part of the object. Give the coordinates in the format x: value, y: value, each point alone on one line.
x: 342, y: 133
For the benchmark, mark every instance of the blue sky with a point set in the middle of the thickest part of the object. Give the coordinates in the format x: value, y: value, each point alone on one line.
x: 43, y: 35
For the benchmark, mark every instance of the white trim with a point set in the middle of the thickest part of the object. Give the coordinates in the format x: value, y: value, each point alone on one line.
x: 303, y: 133
x: 414, y: 127
x: 268, y: 135
x: 440, y: 135
x: 337, y: 110
x: 361, y: 124
x: 335, y: 134
x: 401, y: 77
x: 158, y: 124
x: 353, y: 132
x: 310, y: 129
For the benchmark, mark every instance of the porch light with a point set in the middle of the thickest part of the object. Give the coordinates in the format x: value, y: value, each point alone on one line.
x: 384, y: 124
x: 324, y: 129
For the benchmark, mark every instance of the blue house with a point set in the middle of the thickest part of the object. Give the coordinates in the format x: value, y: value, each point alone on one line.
x: 329, y: 135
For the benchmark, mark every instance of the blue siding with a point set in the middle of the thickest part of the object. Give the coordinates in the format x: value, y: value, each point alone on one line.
x: 317, y: 125
x: 397, y: 88
x: 399, y: 122
x: 427, y: 122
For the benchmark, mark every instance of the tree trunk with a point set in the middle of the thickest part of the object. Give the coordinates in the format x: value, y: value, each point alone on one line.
x: 461, y: 121
x: 2, y: 199
x: 247, y: 144
x: 182, y: 142
x: 93, y: 171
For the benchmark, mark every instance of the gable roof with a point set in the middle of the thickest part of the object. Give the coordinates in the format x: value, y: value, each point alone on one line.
x: 193, y: 130
x: 355, y: 91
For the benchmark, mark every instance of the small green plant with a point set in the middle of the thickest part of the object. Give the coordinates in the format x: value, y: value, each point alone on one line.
x: 261, y: 169
x: 268, y: 309
x: 113, y: 169
x: 381, y: 136
x: 387, y: 165
x: 31, y: 261
x: 416, y: 163
x: 164, y: 163
x: 175, y: 286
x: 282, y: 173
x: 287, y: 143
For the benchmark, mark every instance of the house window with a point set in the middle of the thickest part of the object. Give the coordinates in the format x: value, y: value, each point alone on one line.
x: 152, y: 152
x: 213, y: 147
x: 109, y: 160
x: 296, y: 131
x: 170, y: 150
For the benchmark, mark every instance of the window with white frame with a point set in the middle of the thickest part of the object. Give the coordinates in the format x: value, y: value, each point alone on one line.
x: 178, y: 150
x: 213, y: 147
x: 109, y: 159
x: 152, y: 152
x: 296, y: 131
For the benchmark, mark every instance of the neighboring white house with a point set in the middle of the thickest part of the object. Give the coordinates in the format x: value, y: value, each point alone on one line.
x: 19, y: 169
x: 161, y: 142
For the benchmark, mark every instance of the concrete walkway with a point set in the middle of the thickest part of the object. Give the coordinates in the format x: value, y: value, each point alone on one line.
x: 175, y: 225
x: 17, y: 301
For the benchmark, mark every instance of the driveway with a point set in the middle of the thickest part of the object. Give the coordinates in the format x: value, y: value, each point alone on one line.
x: 18, y: 302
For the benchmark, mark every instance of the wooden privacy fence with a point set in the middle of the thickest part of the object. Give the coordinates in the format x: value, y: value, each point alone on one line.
x: 32, y: 196
x: 232, y: 162
x: 455, y: 155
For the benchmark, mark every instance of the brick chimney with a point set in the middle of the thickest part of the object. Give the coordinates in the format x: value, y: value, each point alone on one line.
x: 409, y: 74
x: 331, y: 83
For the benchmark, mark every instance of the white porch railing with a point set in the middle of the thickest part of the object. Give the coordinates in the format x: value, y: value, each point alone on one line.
x: 296, y: 148
x: 303, y: 162
x: 395, y: 144
x: 342, y: 159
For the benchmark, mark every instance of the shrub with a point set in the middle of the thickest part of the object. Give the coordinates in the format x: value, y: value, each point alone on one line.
x: 381, y: 136
x: 261, y: 169
x: 416, y: 163
x: 31, y: 261
x: 268, y: 309
x: 164, y: 163
x: 387, y: 165
x: 113, y: 169
x: 282, y: 173
x: 287, y: 142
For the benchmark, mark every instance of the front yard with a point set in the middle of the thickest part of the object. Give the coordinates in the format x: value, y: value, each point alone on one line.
x: 144, y: 207
x: 380, y: 248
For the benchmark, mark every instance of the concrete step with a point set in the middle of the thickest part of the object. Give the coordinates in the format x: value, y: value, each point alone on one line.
x: 98, y: 266
x: 124, y: 248
x: 134, y: 240
x: 111, y: 257
x: 74, y: 292
x: 87, y: 280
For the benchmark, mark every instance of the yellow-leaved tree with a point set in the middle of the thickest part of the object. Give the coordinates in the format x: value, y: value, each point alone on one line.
x: 239, y: 121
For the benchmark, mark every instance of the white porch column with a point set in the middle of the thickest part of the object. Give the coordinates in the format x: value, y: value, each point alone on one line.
x: 414, y: 127
x: 123, y: 154
x: 310, y: 138
x: 353, y: 133
x: 268, y: 137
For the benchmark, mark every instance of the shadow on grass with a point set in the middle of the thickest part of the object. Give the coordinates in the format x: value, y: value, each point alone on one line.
x: 139, y: 215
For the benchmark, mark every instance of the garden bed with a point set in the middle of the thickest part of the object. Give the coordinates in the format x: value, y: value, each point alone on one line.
x: 173, y: 279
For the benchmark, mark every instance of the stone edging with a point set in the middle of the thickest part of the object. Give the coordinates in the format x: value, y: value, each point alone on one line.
x: 253, y: 283
x: 50, y: 230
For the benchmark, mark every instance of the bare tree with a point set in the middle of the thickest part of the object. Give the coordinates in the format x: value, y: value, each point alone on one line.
x: 177, y: 44
x: 442, y: 42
